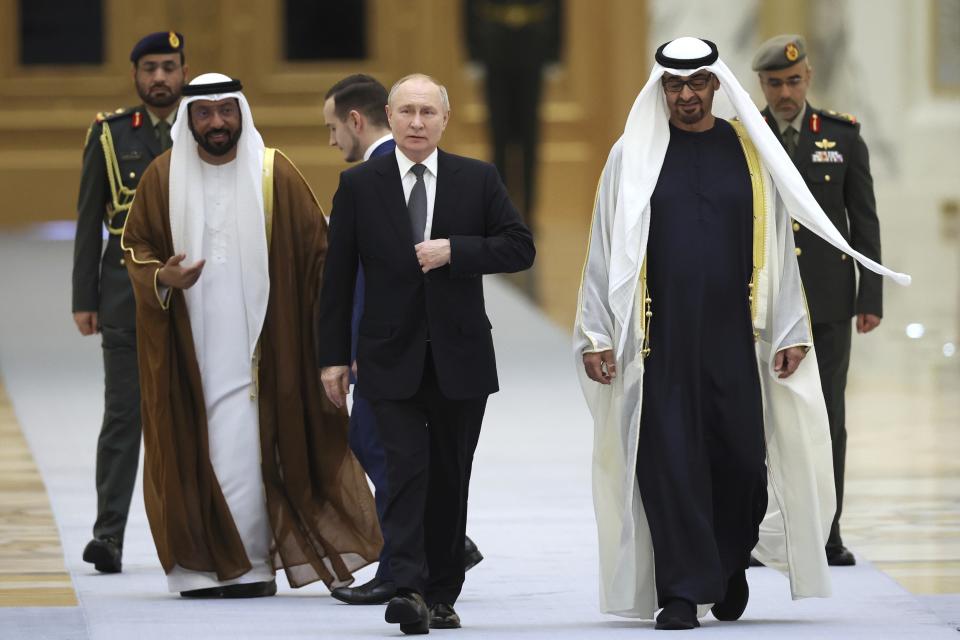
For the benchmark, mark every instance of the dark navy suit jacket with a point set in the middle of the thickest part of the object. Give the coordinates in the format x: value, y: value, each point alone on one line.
x: 382, y: 149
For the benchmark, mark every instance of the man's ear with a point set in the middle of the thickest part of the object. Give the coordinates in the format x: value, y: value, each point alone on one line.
x: 355, y: 120
x: 716, y: 82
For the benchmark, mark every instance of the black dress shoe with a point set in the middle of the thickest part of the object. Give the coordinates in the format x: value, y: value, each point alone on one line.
x: 442, y: 616
x: 471, y: 555
x: 245, y: 590
x: 250, y: 590
x: 104, y: 554
x: 374, y: 592
x: 678, y: 615
x: 738, y: 592
x: 409, y: 611
x: 840, y: 557
x: 209, y: 592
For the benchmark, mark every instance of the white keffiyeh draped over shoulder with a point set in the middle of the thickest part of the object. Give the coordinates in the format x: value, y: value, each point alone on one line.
x: 609, y: 317
x: 644, y: 145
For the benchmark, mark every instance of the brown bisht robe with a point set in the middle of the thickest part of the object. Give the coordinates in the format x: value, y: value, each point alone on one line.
x: 321, y: 510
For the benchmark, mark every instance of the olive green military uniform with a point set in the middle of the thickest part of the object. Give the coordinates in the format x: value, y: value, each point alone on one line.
x: 118, y: 149
x: 835, y: 164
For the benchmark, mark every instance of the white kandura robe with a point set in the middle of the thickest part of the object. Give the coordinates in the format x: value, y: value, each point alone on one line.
x: 800, y: 470
x: 222, y: 337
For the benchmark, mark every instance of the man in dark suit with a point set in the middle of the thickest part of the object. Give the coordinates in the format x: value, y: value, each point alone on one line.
x: 426, y: 226
x: 118, y: 149
x: 514, y: 40
x: 354, y: 112
x: 832, y: 158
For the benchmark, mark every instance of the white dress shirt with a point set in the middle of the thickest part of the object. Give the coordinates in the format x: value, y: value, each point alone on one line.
x: 408, y: 178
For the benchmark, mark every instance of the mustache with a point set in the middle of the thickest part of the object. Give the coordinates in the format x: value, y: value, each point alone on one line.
x: 214, y: 132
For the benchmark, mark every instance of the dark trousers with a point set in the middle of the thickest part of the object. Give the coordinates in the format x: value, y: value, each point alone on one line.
x: 701, y: 468
x: 118, y: 447
x: 832, y: 342
x: 429, y: 442
x: 365, y: 444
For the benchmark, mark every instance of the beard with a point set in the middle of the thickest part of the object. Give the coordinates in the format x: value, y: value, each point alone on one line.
x: 354, y: 152
x: 158, y: 95
x: 690, y: 118
x: 217, y: 148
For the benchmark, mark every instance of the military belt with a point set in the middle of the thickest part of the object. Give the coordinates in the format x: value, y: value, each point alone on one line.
x: 515, y: 16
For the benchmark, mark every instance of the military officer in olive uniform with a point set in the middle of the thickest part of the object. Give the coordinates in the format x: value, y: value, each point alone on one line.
x: 119, y: 147
x: 831, y: 156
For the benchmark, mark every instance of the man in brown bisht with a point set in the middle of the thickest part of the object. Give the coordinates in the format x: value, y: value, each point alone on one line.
x: 247, y: 466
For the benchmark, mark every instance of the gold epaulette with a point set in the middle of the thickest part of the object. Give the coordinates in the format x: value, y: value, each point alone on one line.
x: 116, y: 113
x: 840, y: 117
x: 101, y: 117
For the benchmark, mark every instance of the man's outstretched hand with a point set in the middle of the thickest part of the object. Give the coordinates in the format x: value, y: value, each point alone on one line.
x: 173, y: 275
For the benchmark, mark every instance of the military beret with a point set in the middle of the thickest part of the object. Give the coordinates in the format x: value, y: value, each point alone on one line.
x: 780, y: 52
x: 159, y: 42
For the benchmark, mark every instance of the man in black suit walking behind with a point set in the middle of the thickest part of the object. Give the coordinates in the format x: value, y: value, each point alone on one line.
x: 426, y: 225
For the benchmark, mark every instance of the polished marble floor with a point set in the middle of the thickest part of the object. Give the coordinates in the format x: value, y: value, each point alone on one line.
x: 902, y: 506
x: 902, y: 513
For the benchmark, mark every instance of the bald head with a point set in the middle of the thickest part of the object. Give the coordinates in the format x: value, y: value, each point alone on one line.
x: 422, y: 80
x: 418, y: 111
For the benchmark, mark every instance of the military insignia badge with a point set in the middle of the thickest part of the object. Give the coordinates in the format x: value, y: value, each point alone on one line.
x: 137, y: 120
x: 791, y: 52
x: 829, y: 157
x: 825, y: 144
x: 174, y: 40
x: 814, y: 123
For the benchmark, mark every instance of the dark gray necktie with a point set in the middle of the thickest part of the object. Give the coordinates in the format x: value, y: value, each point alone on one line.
x: 163, y: 135
x: 790, y: 140
x: 417, y: 204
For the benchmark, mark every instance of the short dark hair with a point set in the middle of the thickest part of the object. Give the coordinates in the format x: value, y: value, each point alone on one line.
x: 362, y: 93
